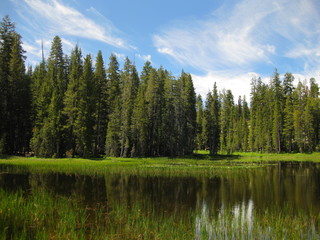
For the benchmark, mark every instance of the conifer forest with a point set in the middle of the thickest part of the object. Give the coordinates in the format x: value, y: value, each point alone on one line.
x: 74, y: 105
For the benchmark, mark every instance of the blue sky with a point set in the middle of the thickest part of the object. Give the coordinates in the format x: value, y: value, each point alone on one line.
x: 227, y: 42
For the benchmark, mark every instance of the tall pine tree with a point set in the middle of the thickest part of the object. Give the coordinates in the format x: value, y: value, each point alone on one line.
x: 48, y: 138
x: 72, y: 99
x: 102, y: 108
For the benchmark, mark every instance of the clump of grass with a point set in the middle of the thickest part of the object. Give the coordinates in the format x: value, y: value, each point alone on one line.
x: 43, y: 216
x: 132, y: 166
x: 275, y: 224
x: 40, y: 215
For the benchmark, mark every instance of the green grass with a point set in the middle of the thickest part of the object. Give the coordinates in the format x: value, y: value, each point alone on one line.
x: 197, y: 164
x: 39, y: 215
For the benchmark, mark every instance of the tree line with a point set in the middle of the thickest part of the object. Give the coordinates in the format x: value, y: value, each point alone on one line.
x: 68, y: 105
x: 281, y: 118
x: 78, y: 106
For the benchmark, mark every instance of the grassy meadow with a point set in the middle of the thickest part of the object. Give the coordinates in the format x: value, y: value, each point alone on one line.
x: 200, y: 163
x: 43, y: 216
x: 39, y: 214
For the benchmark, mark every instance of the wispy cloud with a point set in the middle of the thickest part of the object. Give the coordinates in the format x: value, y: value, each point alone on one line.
x: 250, y: 32
x: 246, y: 37
x: 55, y: 18
x: 144, y: 58
x: 226, y: 39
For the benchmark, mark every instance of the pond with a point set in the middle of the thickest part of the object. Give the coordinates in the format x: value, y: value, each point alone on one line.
x: 276, y: 201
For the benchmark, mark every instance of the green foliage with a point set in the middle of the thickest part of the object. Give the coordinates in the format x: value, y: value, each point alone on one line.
x: 67, y: 107
x: 48, y: 138
x: 113, y: 132
x: 84, y: 124
x: 102, y: 108
x: 212, y: 121
x: 72, y: 99
x: 15, y: 100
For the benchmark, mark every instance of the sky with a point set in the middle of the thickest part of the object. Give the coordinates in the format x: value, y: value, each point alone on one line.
x: 224, y: 41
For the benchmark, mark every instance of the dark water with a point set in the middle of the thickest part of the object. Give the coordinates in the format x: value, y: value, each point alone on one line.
x: 285, y: 185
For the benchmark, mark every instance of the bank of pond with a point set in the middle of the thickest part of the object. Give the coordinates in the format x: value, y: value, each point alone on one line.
x: 202, y: 198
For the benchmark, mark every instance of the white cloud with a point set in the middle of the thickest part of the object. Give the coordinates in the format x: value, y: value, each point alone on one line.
x: 234, y: 41
x: 120, y: 56
x: 144, y: 57
x: 59, y: 19
x: 220, y: 42
x: 239, y: 85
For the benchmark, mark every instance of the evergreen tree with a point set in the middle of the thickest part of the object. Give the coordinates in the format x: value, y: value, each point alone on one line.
x: 140, y: 125
x: 130, y: 83
x: 20, y: 101
x: 186, y: 115
x: 113, y: 83
x: 140, y: 117
x: 169, y: 132
x: 102, y: 104
x: 245, y: 119
x: 226, y: 122
x: 48, y: 136
x: 154, y: 100
x: 212, y: 120
x: 288, y: 128
x: 315, y: 103
x: 114, y: 128
x: 300, y: 99
x: 72, y: 98
x: 199, y: 142
x: 278, y: 99
x: 240, y: 125
x: 7, y: 38
x: 85, y: 121
x: 260, y: 134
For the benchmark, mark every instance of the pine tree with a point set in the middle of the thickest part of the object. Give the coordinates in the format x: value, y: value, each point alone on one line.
x: 186, y: 114
x: 154, y: 100
x: 130, y: 83
x: 85, y: 121
x: 212, y: 120
x: 114, y: 128
x: 260, y: 135
x: 7, y: 36
x: 315, y: 103
x: 237, y: 126
x: 140, y: 118
x: 20, y: 101
x: 245, y: 119
x: 226, y: 122
x: 169, y: 132
x: 278, y: 99
x: 199, y: 143
x: 140, y: 125
x: 300, y: 102
x: 288, y: 128
x: 113, y: 83
x: 72, y: 98
x: 48, y: 139
x: 102, y: 104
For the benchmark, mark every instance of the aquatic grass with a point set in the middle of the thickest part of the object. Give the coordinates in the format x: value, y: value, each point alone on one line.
x: 162, y: 166
x: 39, y: 215
x: 275, y: 224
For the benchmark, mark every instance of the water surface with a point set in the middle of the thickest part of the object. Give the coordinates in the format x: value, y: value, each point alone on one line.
x: 293, y: 187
